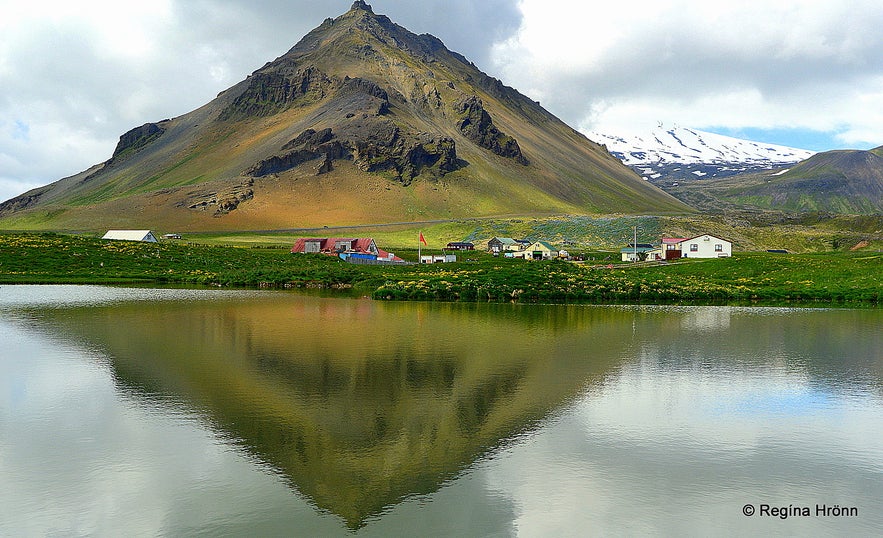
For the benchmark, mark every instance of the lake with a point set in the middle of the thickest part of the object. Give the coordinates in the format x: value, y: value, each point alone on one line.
x: 168, y: 412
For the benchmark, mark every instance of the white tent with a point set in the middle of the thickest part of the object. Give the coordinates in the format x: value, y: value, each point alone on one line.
x: 131, y: 235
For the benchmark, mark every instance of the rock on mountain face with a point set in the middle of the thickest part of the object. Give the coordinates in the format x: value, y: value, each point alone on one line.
x: 361, y: 121
x: 666, y: 155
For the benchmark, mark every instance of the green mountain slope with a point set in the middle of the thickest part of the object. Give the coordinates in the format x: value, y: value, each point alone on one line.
x: 361, y: 121
x: 848, y: 182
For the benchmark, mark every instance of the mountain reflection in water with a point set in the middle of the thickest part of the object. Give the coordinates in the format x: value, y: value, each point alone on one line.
x: 357, y: 403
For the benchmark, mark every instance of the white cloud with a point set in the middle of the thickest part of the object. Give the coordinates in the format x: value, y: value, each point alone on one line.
x: 786, y: 64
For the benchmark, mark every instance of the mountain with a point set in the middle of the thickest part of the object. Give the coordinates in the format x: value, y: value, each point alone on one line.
x: 842, y: 181
x: 362, y: 121
x: 668, y: 155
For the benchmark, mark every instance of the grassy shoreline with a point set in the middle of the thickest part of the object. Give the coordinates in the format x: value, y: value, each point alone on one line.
x: 811, y: 280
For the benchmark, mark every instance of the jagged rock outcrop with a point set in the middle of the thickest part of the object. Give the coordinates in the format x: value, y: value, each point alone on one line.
x: 137, y: 138
x: 477, y: 125
x: 308, y: 146
x: 272, y: 91
x: 223, y: 200
x: 360, y: 85
x: 24, y: 201
x: 372, y: 146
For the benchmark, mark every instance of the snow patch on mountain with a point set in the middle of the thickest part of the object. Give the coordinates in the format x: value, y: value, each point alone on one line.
x: 679, y: 152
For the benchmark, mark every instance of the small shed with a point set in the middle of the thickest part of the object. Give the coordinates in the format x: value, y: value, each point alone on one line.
x: 460, y: 245
x: 641, y: 252
x: 145, y: 236
x: 438, y: 258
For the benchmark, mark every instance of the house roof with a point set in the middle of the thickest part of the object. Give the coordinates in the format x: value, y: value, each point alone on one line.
x: 130, y: 235
x: 327, y: 243
x: 544, y: 244
x: 673, y: 240
x: 703, y: 235
x: 629, y: 250
x: 505, y: 240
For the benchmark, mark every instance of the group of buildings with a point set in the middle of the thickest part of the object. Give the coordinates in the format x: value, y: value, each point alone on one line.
x: 359, y: 250
x: 365, y: 251
x: 670, y: 248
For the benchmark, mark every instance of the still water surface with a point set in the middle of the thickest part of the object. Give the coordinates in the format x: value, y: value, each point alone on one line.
x: 145, y: 412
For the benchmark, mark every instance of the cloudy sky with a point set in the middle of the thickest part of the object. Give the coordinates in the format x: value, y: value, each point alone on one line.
x: 75, y: 75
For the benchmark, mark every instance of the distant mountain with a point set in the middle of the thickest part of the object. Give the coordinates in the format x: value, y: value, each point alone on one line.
x: 668, y: 155
x: 843, y: 181
x: 361, y: 122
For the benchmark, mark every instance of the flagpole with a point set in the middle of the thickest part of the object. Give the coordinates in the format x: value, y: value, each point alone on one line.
x: 419, y: 251
x: 636, y: 245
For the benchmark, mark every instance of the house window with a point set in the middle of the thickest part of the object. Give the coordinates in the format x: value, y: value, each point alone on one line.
x: 718, y: 248
x: 694, y: 248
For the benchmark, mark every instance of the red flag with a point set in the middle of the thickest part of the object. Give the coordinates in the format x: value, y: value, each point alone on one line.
x: 422, y: 240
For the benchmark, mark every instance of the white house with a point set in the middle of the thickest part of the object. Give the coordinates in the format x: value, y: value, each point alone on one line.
x: 706, y: 246
x: 131, y: 235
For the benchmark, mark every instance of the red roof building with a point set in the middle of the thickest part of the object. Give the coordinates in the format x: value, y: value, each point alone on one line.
x: 334, y: 246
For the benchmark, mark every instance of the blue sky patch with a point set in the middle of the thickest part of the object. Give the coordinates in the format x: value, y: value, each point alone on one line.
x: 794, y: 138
x: 21, y: 131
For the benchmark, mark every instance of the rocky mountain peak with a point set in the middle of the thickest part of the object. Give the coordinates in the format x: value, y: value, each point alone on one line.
x: 399, y: 74
x: 359, y: 5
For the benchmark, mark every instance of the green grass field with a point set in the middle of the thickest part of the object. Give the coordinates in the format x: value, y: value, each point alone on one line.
x: 815, y: 279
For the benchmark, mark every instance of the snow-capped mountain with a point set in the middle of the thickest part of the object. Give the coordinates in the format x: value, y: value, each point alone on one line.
x: 669, y: 154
